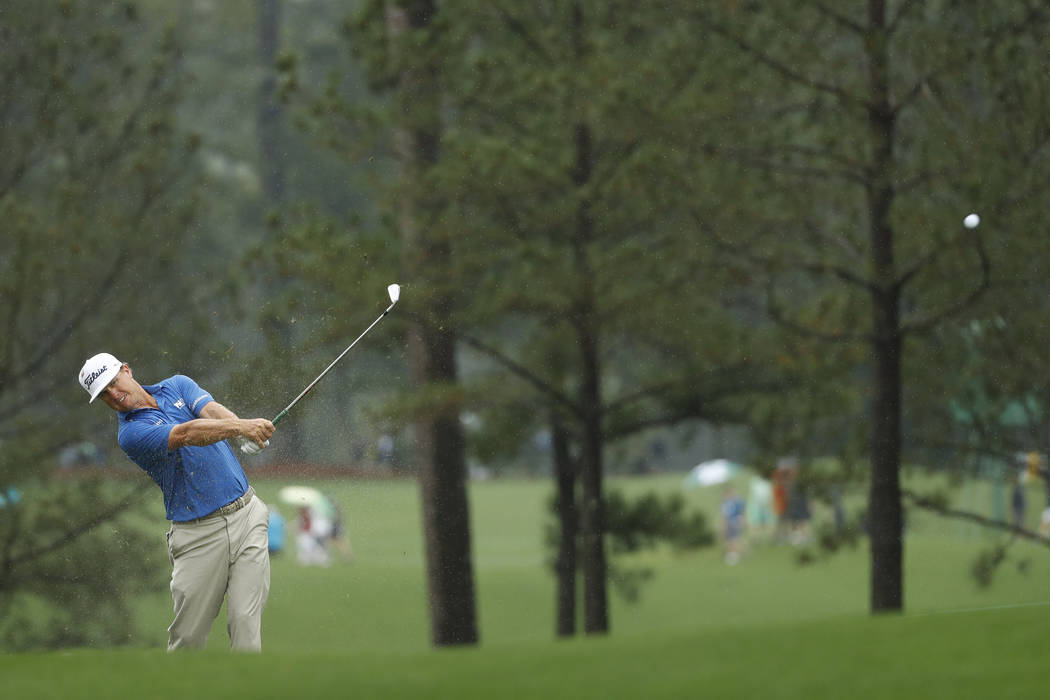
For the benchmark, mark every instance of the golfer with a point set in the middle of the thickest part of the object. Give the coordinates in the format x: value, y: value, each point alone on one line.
x: 176, y: 432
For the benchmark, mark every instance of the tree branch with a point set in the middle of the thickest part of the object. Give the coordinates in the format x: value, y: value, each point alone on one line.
x: 724, y: 375
x: 925, y: 324
x: 784, y: 70
x: 520, y: 371
x: 902, y: 11
x: 920, y: 84
x: 82, y: 528
x: 845, y: 172
x: 777, y: 315
x: 941, y: 509
x: 839, y: 18
x: 840, y: 241
x: 919, y: 179
x: 845, y: 274
x: 518, y: 29
x: 693, y: 410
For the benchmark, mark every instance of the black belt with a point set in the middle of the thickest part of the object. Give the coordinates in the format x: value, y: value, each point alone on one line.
x: 231, y: 507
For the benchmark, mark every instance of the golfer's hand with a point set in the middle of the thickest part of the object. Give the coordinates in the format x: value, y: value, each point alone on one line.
x: 250, y: 448
x: 255, y: 435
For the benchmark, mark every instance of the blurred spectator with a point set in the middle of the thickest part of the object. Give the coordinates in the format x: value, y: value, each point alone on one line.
x: 838, y: 508
x: 797, y: 513
x: 1017, y: 499
x: 732, y: 524
x: 276, y: 531
x: 781, y: 479
x: 10, y: 497
x: 760, y: 518
x: 311, y: 541
x: 339, y: 538
x: 1036, y: 470
x: 386, y: 449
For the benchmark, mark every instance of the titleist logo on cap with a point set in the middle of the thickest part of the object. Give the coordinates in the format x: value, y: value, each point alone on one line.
x: 95, y: 375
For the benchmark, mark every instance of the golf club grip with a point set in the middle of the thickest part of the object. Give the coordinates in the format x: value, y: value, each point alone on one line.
x: 280, y: 417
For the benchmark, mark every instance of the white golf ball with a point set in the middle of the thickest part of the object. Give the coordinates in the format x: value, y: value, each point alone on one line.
x: 971, y: 221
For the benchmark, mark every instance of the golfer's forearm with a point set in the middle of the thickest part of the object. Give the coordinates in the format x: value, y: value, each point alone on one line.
x: 204, y: 431
x: 214, y: 409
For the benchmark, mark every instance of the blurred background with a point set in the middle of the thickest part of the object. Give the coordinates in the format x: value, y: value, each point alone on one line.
x: 633, y: 240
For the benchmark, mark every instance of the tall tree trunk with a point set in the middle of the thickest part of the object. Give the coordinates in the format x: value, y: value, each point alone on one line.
x: 595, y: 593
x: 568, y: 521
x: 884, y: 505
x: 271, y: 117
x: 441, y: 445
x: 446, y: 508
x: 592, y: 523
x: 270, y: 134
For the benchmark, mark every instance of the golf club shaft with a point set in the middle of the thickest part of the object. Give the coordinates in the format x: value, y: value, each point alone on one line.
x: 282, y: 414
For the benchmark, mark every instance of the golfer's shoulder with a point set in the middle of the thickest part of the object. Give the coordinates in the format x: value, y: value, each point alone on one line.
x: 173, y: 382
x: 136, y: 427
x: 181, y: 384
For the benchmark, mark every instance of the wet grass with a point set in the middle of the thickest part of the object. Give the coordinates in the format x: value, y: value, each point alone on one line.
x: 765, y: 627
x: 975, y: 654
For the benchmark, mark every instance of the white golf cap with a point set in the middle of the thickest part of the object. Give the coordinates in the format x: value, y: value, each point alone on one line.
x: 98, y: 372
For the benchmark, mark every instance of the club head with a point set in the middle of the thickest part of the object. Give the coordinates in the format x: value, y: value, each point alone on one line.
x: 394, y: 291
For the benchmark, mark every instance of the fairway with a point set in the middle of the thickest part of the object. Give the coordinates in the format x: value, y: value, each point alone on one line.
x: 376, y: 600
x: 993, y: 654
x: 766, y: 626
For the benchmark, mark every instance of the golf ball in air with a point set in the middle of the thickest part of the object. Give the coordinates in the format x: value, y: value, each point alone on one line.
x: 971, y: 221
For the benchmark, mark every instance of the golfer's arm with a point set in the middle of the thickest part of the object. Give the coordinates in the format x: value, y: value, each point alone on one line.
x: 203, y: 431
x: 214, y: 409
x: 215, y: 424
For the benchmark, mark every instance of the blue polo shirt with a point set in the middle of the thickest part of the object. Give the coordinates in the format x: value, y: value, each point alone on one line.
x: 194, y: 480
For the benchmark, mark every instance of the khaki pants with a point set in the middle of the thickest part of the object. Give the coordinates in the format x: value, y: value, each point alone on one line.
x: 223, y: 556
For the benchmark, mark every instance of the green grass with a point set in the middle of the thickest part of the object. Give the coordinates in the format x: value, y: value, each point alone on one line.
x: 766, y: 627
x: 968, y: 655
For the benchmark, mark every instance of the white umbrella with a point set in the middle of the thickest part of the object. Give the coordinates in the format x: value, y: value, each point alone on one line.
x: 300, y: 496
x: 711, y: 473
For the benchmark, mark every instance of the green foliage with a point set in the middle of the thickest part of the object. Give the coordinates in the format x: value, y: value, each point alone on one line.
x: 990, y: 560
x: 76, y: 556
x: 986, y: 563
x: 97, y: 204
x: 618, y: 194
x: 504, y: 196
x: 652, y: 519
x: 700, y: 144
x: 334, y: 276
x: 950, y: 73
x: 633, y: 525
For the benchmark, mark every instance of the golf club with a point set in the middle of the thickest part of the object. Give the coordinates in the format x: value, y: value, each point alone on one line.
x: 394, y: 291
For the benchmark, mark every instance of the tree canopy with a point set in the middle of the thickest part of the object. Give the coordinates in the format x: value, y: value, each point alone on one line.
x: 608, y: 219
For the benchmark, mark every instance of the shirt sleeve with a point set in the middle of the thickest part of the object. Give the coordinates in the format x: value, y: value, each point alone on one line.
x: 195, y: 397
x: 141, y: 440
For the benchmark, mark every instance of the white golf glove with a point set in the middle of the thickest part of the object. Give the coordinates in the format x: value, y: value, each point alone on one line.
x: 249, y: 447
